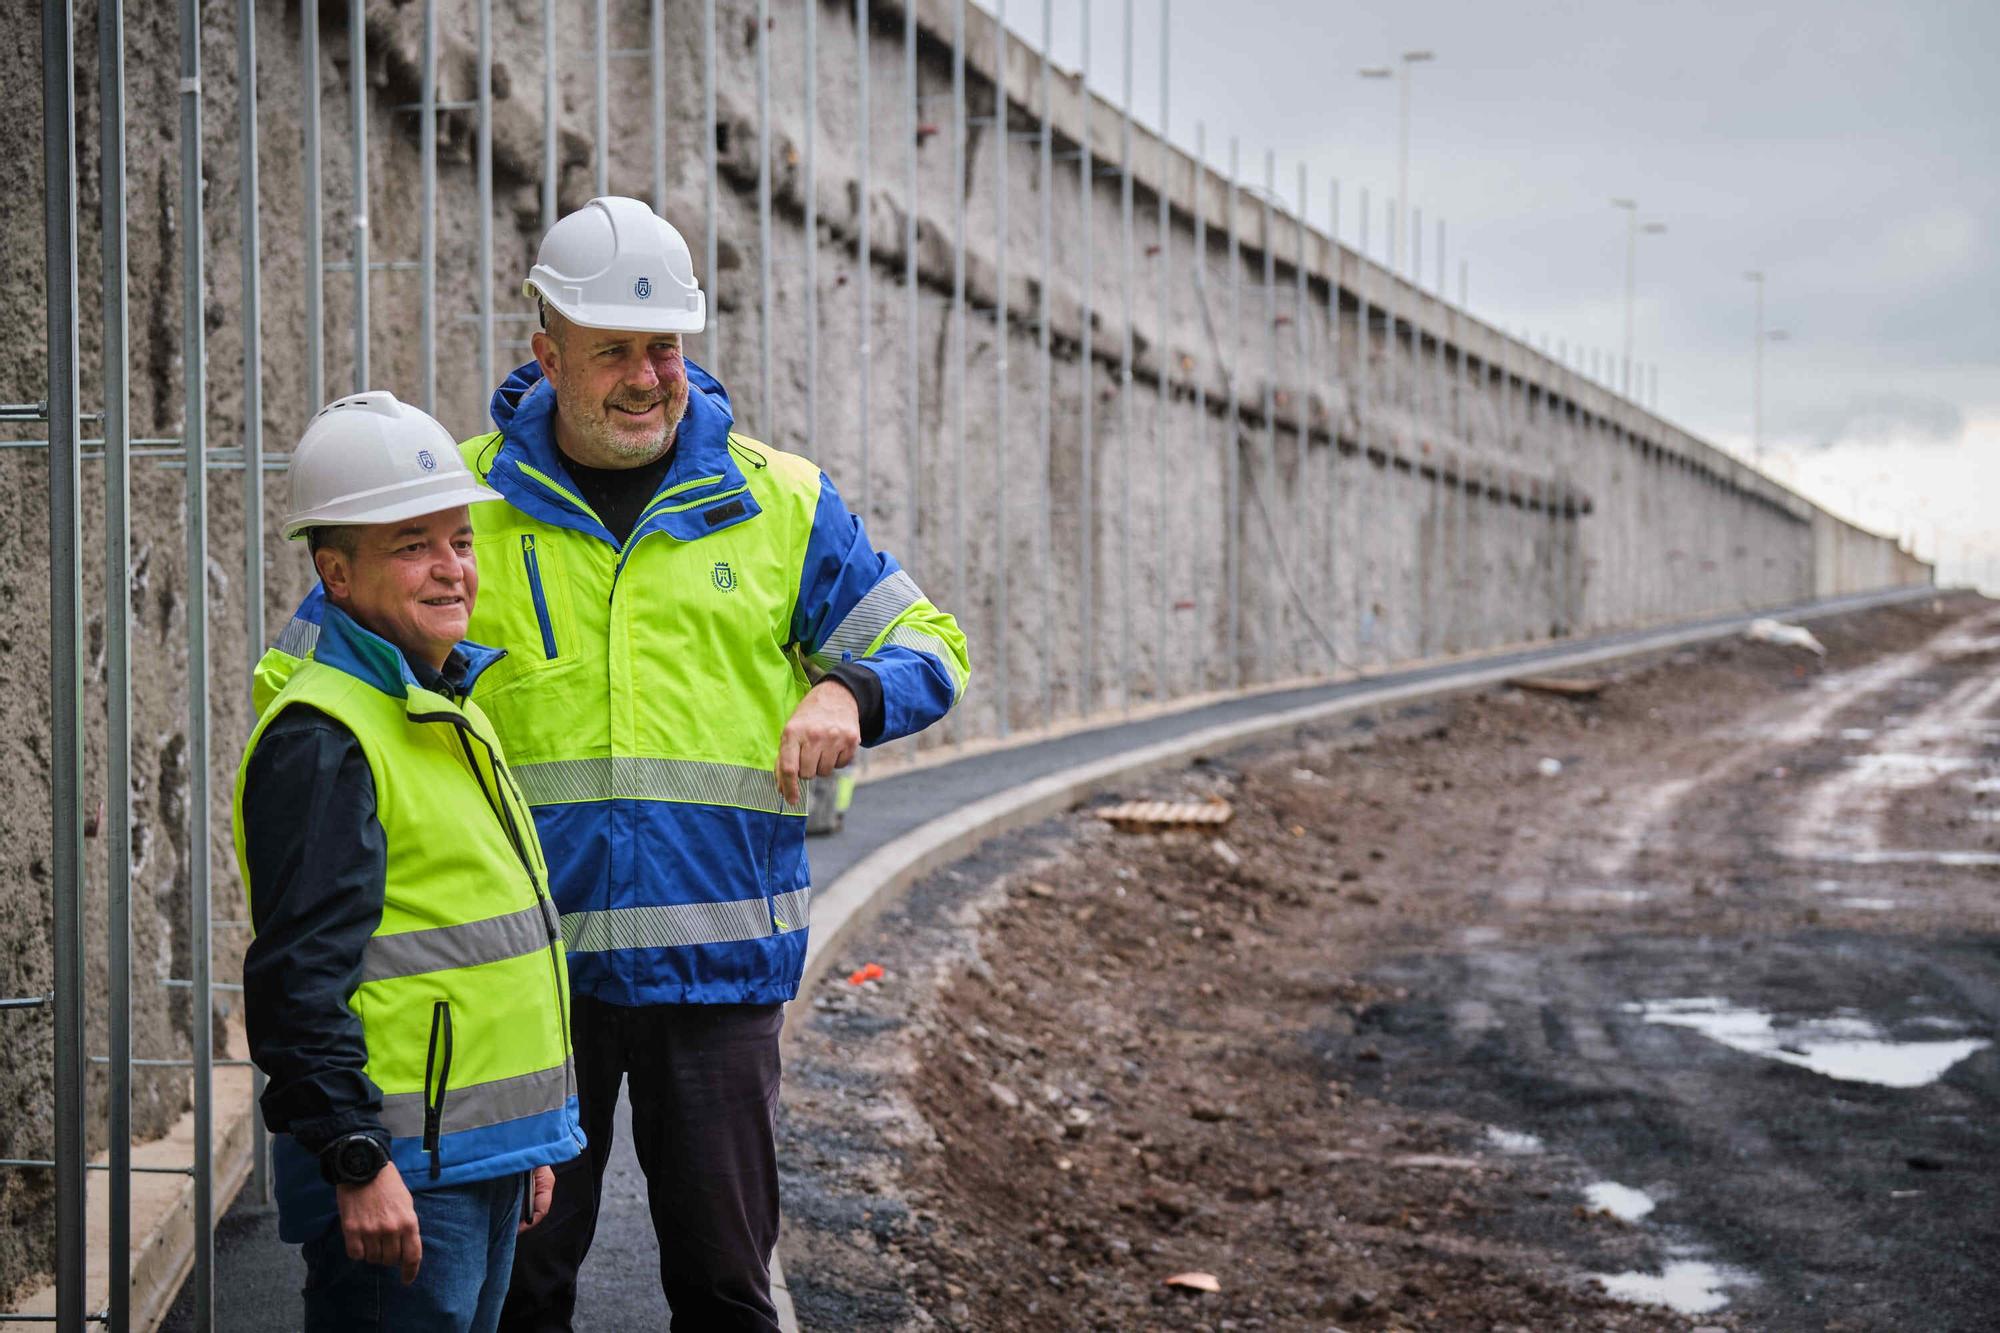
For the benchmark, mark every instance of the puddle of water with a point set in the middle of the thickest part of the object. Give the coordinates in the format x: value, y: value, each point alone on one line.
x: 1686, y: 1285
x: 1512, y: 1140
x: 1843, y: 1047
x: 1621, y: 1201
x: 1857, y: 733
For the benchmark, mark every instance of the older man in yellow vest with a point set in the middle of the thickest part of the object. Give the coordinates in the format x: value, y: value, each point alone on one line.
x: 406, y: 992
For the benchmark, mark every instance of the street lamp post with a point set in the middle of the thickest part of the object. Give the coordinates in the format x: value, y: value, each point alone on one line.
x: 1402, y: 204
x: 1633, y: 227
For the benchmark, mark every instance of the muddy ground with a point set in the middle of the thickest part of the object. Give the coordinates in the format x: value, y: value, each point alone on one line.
x: 1718, y: 950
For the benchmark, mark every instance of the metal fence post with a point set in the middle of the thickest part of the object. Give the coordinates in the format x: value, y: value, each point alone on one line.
x: 484, y: 167
x: 65, y: 646
x: 357, y: 92
x: 865, y: 253
x: 1045, y: 408
x: 1232, y: 449
x: 1086, y: 397
x: 766, y: 421
x: 315, y: 240
x: 960, y: 588
x: 117, y: 652
x: 1002, y: 464
x: 1125, y: 351
x: 427, y: 235
x: 194, y: 361
x: 1164, y: 343
x: 811, y: 229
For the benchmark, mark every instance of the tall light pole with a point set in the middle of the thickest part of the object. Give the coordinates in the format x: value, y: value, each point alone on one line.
x: 1757, y: 372
x: 1632, y: 229
x: 1402, y: 204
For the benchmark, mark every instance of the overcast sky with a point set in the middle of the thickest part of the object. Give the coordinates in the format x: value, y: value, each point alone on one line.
x: 1849, y: 149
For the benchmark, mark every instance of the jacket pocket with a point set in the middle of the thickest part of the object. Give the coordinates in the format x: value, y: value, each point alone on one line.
x: 437, y: 1079
x: 540, y: 597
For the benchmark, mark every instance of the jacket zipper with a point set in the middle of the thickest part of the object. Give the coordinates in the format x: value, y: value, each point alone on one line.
x: 534, y: 565
x: 497, y: 799
x: 434, y: 1101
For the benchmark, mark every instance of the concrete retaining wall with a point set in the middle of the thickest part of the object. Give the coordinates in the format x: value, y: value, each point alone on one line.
x: 1299, y: 477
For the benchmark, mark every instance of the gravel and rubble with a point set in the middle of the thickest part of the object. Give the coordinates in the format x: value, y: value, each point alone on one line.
x: 1276, y: 1053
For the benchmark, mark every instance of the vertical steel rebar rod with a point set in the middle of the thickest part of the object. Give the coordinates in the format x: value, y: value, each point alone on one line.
x: 1300, y: 332
x: 1392, y: 351
x: 1232, y: 452
x: 1197, y: 641
x: 427, y: 235
x: 484, y: 152
x: 1364, y: 377
x: 765, y: 418
x: 864, y: 252
x: 1333, y: 415
x: 913, y: 425
x: 711, y: 199
x: 1044, y: 408
x: 1002, y: 464
x: 253, y: 459
x: 600, y: 31
x: 656, y: 72
x: 960, y: 590
x: 357, y: 93
x: 194, y: 431
x: 315, y: 241
x: 117, y: 652
x: 65, y: 646
x: 551, y: 113
x: 1125, y: 351
x: 1268, y: 622
x: 1086, y: 396
x: 1164, y: 399
x: 811, y: 228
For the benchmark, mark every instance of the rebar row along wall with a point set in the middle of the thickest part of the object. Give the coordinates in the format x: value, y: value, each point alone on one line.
x: 1146, y: 434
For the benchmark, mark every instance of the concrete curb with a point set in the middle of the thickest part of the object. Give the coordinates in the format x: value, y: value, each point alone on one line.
x: 875, y: 882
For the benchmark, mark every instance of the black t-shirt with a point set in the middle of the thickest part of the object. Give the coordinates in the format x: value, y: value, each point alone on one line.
x: 618, y: 495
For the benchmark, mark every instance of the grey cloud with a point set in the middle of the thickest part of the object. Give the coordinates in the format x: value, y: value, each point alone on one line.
x: 1883, y: 419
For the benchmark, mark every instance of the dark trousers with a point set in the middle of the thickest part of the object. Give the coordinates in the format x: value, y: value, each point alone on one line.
x: 704, y: 1093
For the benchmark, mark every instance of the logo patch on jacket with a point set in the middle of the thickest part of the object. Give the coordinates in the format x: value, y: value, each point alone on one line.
x: 724, y: 576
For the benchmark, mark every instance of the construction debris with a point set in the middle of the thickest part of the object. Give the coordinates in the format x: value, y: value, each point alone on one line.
x: 1568, y: 687
x: 1141, y: 816
x: 1785, y: 636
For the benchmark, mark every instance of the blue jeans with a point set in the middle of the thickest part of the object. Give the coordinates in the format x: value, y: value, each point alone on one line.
x: 468, y: 1237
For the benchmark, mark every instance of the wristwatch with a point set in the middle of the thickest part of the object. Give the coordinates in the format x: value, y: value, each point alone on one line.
x: 352, y: 1159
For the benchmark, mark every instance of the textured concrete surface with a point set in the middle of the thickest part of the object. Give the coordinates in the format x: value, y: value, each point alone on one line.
x: 1401, y: 479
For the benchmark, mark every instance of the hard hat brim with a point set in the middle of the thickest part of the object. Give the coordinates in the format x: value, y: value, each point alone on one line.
x: 624, y: 318
x: 391, y: 505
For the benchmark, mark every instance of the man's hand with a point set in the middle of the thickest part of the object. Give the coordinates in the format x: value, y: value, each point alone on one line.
x: 822, y: 735
x: 380, y: 1223
x: 539, y: 1194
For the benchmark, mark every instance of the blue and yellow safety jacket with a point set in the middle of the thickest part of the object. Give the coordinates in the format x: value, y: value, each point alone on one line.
x: 646, y: 684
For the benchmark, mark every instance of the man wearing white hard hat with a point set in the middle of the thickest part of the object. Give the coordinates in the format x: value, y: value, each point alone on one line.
x: 405, y: 992
x: 696, y: 628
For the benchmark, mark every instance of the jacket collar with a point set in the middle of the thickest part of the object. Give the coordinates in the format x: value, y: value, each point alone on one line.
x: 345, y: 645
x: 703, y: 491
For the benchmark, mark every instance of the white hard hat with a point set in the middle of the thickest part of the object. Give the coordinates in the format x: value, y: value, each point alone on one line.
x: 368, y: 458
x: 616, y: 264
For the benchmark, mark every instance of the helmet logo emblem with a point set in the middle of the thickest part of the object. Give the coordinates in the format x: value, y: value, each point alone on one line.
x: 643, y: 288
x: 724, y: 576
x: 426, y: 461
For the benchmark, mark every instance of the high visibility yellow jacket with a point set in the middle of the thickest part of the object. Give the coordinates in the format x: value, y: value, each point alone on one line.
x: 463, y: 995
x: 646, y: 684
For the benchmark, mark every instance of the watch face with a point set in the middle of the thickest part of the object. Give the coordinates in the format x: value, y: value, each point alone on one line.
x: 360, y: 1158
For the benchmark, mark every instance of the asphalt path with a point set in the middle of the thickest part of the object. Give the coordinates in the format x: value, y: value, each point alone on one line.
x: 258, y: 1277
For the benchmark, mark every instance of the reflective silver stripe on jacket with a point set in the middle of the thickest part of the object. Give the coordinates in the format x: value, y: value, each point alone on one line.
x: 917, y: 641
x: 871, y: 615
x: 468, y: 944
x: 678, y: 925
x: 299, y: 637
x: 695, y: 781
x: 478, y: 1105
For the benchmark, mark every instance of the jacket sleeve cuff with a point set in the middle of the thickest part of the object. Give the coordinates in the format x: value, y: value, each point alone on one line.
x: 866, y: 687
x: 313, y: 1135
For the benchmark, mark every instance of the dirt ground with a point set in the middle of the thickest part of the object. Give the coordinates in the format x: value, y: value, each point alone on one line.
x: 1388, y: 1052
